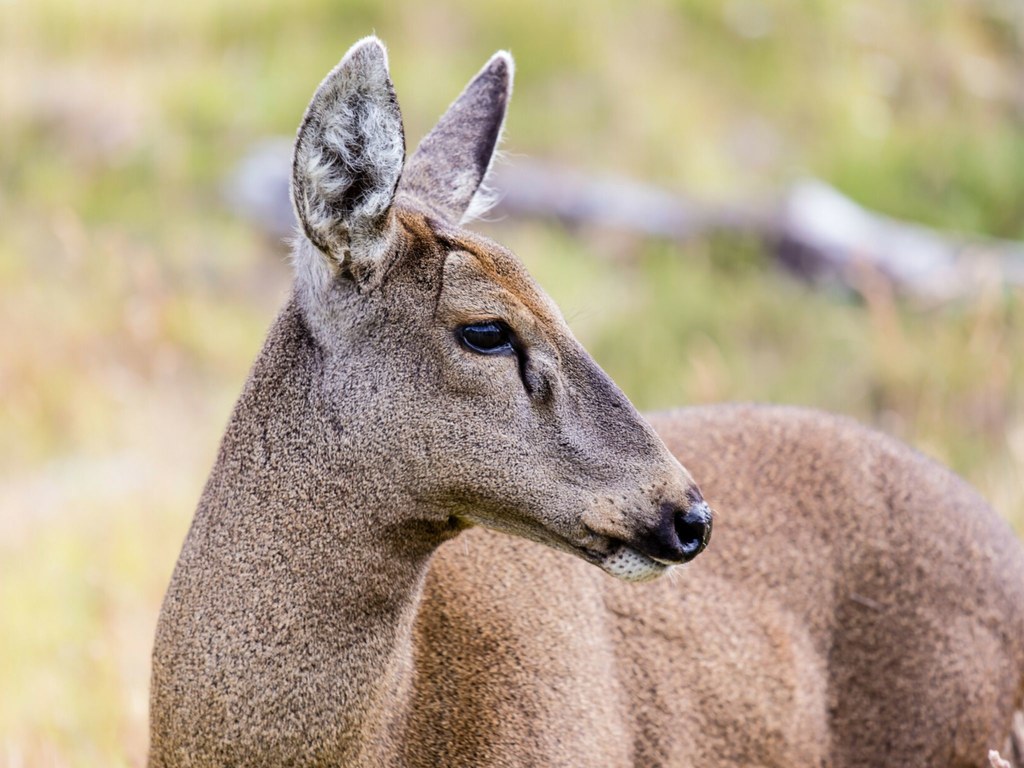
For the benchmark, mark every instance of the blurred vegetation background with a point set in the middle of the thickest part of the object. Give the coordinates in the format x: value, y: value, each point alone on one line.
x: 132, y: 300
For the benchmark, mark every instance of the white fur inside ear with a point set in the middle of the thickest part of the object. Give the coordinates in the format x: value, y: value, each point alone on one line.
x: 354, y: 167
x: 486, y: 196
x: 349, y: 153
x: 445, y: 174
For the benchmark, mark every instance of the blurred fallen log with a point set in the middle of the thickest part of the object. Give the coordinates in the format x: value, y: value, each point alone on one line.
x: 825, y: 235
x: 528, y: 189
x: 813, y: 229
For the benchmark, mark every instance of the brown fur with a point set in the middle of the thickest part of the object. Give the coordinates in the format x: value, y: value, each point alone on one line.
x: 338, y: 600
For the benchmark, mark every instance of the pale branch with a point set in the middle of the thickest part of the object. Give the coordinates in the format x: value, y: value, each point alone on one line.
x: 528, y: 189
x: 813, y: 229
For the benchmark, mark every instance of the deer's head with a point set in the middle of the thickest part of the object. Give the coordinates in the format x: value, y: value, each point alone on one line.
x: 445, y: 361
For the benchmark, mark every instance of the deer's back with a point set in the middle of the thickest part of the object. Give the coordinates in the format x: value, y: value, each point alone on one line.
x: 855, y: 595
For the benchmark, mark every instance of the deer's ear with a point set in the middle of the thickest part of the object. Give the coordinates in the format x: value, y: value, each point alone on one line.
x: 447, y: 170
x: 348, y: 159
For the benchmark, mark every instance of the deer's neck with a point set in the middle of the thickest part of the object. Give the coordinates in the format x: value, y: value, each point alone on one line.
x: 309, y: 593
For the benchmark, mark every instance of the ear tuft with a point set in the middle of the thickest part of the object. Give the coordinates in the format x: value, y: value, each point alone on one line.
x: 349, y: 155
x: 448, y: 169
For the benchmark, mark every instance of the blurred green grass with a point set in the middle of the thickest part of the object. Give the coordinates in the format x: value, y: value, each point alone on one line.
x: 133, y: 302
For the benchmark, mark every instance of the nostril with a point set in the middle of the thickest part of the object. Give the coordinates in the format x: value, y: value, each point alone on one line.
x: 680, y: 536
x: 693, y: 527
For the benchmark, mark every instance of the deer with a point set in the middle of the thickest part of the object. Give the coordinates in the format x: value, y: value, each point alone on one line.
x: 437, y: 533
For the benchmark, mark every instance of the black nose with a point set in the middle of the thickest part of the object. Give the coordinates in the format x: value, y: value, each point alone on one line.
x: 681, y: 535
x: 693, y: 530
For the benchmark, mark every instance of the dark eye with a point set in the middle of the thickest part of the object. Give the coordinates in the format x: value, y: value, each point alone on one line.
x: 492, y: 338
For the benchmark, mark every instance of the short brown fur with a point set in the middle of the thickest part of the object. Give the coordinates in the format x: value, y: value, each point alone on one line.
x: 339, y: 599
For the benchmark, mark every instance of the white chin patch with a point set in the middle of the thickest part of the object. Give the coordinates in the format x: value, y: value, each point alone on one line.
x: 629, y: 565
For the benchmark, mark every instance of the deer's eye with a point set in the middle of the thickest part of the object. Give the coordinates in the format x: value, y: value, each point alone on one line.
x: 490, y: 338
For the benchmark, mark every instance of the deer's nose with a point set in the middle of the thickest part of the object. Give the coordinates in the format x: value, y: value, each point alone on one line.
x: 682, y: 534
x: 693, y: 529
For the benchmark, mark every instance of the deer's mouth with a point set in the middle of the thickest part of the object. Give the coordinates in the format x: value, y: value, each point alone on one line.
x: 624, y: 562
x: 613, y: 556
x: 678, y: 534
